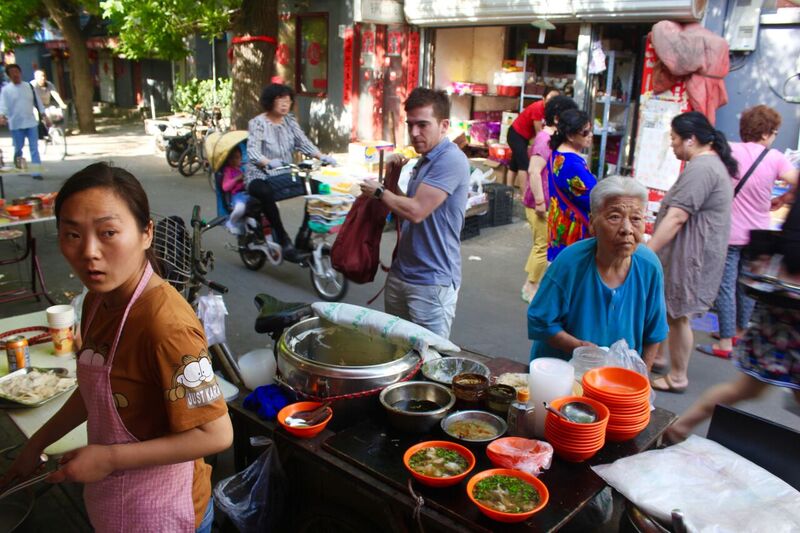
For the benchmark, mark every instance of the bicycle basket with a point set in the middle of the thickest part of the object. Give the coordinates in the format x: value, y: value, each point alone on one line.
x: 173, y: 249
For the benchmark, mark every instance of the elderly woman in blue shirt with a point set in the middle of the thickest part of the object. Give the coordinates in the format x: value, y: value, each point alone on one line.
x: 605, y: 288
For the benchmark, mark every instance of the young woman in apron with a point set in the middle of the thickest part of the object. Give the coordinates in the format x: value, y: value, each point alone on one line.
x: 145, y: 384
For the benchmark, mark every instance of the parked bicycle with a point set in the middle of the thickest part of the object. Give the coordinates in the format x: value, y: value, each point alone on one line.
x: 194, y: 157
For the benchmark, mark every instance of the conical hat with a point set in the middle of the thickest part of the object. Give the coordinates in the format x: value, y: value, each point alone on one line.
x: 219, y: 145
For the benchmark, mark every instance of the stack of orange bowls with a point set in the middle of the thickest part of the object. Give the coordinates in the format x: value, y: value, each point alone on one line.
x: 626, y: 394
x: 573, y: 441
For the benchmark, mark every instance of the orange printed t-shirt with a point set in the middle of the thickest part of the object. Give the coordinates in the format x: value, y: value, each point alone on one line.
x: 161, y: 376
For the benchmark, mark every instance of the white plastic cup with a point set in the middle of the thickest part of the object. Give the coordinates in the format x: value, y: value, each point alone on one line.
x: 549, y: 378
x: 61, y: 321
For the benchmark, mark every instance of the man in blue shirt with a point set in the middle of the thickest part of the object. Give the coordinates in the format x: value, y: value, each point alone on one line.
x: 17, y: 101
x: 605, y: 288
x: 426, y: 275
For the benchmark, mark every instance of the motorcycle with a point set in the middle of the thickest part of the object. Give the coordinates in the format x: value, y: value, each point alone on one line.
x: 175, y: 145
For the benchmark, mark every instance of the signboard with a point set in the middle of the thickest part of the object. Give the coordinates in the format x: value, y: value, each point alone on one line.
x: 378, y: 11
x: 347, y: 69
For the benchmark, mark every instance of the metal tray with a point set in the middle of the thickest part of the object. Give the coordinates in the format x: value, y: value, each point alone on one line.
x: 10, y: 403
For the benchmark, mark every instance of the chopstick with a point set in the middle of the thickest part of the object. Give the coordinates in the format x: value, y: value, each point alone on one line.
x: 32, y: 481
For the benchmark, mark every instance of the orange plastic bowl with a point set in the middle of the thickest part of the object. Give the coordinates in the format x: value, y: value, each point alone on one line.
x: 302, y: 432
x: 575, y: 456
x: 439, y: 481
x: 614, y: 381
x: 540, y: 487
x: 22, y: 210
x: 553, y: 433
x: 602, y: 413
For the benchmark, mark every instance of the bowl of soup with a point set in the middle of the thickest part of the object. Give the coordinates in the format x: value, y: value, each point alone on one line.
x: 507, y: 495
x: 474, y: 426
x: 439, y: 463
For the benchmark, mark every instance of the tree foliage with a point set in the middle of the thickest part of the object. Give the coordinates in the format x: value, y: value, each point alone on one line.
x: 159, y: 28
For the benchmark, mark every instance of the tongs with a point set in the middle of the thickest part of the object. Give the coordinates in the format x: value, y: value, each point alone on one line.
x: 28, y: 482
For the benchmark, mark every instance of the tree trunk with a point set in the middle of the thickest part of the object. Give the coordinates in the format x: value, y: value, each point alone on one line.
x: 252, y: 61
x: 66, y: 17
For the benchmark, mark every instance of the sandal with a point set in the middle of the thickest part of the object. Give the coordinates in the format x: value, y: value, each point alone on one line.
x: 716, y: 352
x: 670, y: 387
x: 659, y: 368
x: 734, y: 339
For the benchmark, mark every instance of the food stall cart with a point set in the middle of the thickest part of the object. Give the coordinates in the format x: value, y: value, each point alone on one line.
x: 353, y: 476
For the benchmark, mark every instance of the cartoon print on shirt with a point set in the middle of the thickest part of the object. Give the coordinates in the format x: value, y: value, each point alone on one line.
x: 195, y: 381
x: 93, y: 356
x: 120, y: 400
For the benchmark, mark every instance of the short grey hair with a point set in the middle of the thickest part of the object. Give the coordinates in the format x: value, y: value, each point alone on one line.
x: 614, y: 186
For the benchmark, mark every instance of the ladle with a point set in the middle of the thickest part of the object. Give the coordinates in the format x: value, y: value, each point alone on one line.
x: 579, y: 412
x: 310, y: 417
x: 43, y: 458
x: 556, y: 412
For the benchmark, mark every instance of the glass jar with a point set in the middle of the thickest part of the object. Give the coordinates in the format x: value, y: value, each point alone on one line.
x: 499, y: 397
x: 470, y: 390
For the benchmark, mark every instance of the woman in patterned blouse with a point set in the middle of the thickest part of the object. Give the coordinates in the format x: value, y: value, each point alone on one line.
x: 570, y: 182
x: 272, y: 138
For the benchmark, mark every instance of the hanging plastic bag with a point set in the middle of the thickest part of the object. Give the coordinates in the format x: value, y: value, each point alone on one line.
x: 253, y: 499
x: 212, y: 311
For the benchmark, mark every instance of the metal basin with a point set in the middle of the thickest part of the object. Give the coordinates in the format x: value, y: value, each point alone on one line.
x: 396, y: 400
x: 320, y: 359
x: 497, y: 423
x: 444, y: 369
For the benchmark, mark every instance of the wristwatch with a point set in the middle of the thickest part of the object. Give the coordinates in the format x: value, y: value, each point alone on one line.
x: 378, y: 192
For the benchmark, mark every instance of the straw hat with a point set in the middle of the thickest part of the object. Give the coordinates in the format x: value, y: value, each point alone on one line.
x: 219, y: 145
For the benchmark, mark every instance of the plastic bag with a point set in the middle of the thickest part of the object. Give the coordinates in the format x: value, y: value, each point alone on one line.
x: 528, y: 455
x: 253, y: 498
x: 211, y: 310
x: 716, y: 489
x: 378, y: 324
x: 622, y: 356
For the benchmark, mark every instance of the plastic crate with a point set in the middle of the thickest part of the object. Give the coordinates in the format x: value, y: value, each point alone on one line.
x: 501, y: 203
x: 472, y: 227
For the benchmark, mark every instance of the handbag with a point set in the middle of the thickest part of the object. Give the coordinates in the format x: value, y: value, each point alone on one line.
x: 42, y: 129
x: 749, y: 171
x: 285, y: 186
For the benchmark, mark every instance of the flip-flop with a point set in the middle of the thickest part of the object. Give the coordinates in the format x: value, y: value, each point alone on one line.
x: 670, y: 387
x: 716, y: 352
x: 734, y: 340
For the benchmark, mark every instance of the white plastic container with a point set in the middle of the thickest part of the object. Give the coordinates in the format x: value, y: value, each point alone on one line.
x: 61, y: 321
x: 258, y: 368
x: 549, y: 379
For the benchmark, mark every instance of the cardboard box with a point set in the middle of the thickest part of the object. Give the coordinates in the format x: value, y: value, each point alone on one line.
x: 499, y: 170
x: 367, y: 152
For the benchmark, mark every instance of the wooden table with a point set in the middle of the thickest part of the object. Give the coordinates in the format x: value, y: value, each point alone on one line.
x: 357, y: 478
x: 30, y: 252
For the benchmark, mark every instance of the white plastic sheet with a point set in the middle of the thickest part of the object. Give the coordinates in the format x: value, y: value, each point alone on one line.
x: 717, y: 490
x: 386, y: 326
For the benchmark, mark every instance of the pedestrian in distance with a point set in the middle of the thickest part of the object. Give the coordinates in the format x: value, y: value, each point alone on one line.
x: 537, y: 193
x: 53, y: 104
x: 691, y: 237
x: 759, y: 168
x: 425, y: 277
x: 522, y: 130
x: 17, y: 101
x: 768, y: 354
x: 570, y: 182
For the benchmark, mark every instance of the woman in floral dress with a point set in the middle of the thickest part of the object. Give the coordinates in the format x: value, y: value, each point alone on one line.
x: 570, y: 182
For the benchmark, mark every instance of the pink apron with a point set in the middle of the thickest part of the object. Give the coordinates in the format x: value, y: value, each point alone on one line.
x: 152, y: 499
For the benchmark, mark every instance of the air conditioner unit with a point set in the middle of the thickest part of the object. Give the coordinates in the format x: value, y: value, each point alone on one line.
x: 742, y: 28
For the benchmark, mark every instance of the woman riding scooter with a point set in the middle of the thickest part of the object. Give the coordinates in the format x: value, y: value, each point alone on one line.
x: 272, y: 137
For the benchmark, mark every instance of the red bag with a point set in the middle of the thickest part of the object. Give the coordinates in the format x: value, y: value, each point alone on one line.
x: 356, y: 250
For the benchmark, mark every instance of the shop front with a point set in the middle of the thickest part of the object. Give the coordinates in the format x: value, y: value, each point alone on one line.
x: 497, y: 57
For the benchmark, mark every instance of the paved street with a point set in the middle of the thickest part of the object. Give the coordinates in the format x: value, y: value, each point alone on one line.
x: 490, y: 316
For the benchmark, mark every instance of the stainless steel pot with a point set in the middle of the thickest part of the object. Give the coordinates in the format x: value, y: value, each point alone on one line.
x: 319, y: 359
x: 395, y: 399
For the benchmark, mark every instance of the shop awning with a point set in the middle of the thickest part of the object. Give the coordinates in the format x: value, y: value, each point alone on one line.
x: 502, y: 12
